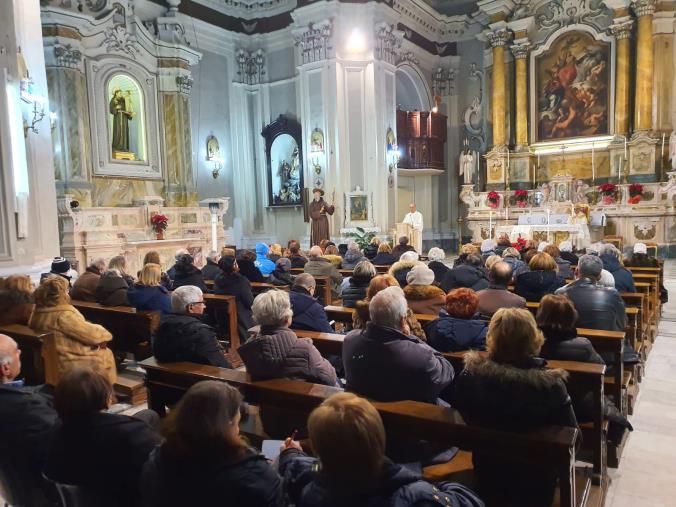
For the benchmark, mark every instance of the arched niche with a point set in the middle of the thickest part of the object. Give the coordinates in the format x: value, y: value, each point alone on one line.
x: 412, y: 91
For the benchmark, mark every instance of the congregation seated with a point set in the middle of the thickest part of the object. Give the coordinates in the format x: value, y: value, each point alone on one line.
x: 182, y: 336
x: 120, y: 264
x: 16, y: 300
x: 317, y: 265
x: 361, y: 315
x: 542, y: 278
x: 171, y: 273
x: 27, y: 416
x: 563, y: 265
x: 384, y: 256
x: 153, y: 257
x: 275, y: 252
x: 357, y: 285
x: 567, y: 254
x: 186, y: 273
x: 228, y: 252
x: 371, y: 249
x: 421, y: 295
x: 386, y: 362
x: 112, y: 289
x: 211, y: 269
x: 78, y: 343
x: 503, y: 243
x: 510, y: 390
x: 490, y: 260
x: 612, y: 261
x: 275, y: 351
x: 296, y: 257
x: 402, y: 246
x: 640, y: 258
x: 282, y: 274
x: 487, y: 248
x: 60, y: 267
x: 332, y: 254
x: 531, y: 249
x: 92, y: 448
x: 458, y: 327
x: 349, y: 441
x: 230, y: 282
x: 352, y: 257
x: 84, y: 288
x: 403, y: 266
x: 606, y: 279
x: 203, y: 460
x: 496, y: 295
x: 469, y: 274
x: 148, y: 294
x: 512, y: 257
x: 308, y: 313
x: 465, y: 250
x: 262, y: 262
x: 247, y: 266
x: 436, y: 258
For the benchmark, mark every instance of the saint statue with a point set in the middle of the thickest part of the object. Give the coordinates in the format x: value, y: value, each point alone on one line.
x: 119, y: 108
x: 580, y: 192
x: 319, y: 209
x: 467, y: 164
x: 672, y: 150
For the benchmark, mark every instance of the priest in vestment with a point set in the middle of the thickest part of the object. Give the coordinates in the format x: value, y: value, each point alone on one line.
x: 415, y: 219
x: 319, y: 209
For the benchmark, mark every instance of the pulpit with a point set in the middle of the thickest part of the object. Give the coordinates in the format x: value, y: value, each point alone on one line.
x: 414, y: 236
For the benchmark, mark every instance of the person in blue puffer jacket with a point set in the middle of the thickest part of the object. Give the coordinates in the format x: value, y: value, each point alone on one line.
x: 456, y: 330
x: 263, y: 263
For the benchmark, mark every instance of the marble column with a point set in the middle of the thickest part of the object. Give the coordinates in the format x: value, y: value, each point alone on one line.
x: 644, y: 10
x: 520, y: 52
x: 622, y: 33
x: 498, y: 39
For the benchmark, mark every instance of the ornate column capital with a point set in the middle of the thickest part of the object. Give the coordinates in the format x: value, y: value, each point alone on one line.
x: 250, y: 66
x: 622, y: 30
x: 314, y: 41
x: 388, y: 42
x: 521, y: 50
x: 499, y: 37
x: 67, y: 56
x: 643, y: 7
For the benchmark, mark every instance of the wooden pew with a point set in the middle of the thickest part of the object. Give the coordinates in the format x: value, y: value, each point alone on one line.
x: 220, y: 305
x: 38, y: 359
x: 260, y: 287
x: 552, y: 447
x: 323, y: 292
x: 131, y: 329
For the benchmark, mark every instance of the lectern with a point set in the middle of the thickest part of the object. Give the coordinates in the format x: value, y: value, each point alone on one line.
x: 414, y: 236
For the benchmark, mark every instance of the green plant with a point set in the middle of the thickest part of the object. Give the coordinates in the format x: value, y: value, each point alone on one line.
x: 361, y: 237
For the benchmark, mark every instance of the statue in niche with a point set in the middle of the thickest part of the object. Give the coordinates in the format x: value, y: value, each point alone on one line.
x: 122, y: 115
x: 126, y: 125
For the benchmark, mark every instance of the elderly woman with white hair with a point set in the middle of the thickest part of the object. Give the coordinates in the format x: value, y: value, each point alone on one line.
x: 276, y: 352
x: 401, y: 268
x: 436, y: 258
x: 612, y: 261
x: 512, y: 257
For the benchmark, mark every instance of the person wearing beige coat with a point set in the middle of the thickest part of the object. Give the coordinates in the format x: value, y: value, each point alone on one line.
x: 77, y: 343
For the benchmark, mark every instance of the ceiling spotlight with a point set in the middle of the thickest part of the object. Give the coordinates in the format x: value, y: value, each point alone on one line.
x: 356, y: 42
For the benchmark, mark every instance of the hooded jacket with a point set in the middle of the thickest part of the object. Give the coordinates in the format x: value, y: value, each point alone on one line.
x: 534, y: 285
x: 400, y: 270
x: 264, y: 265
x: 234, y: 284
x: 426, y: 299
x: 84, y: 288
x: 308, y: 314
x: 624, y: 281
x: 399, y: 486
x: 351, y: 259
x: 279, y: 277
x: 385, y: 364
x: 464, y: 275
x: 187, y: 338
x: 211, y: 270
x: 277, y: 352
x: 451, y: 334
x: 355, y: 291
x: 511, y: 398
x: 187, y: 274
x: 144, y: 297
x: 112, y: 290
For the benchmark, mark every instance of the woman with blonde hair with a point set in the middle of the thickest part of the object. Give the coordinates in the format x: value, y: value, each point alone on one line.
x: 541, y: 279
x: 77, y: 342
x: 361, y: 315
x: 148, y: 293
x: 371, y: 249
x: 120, y: 264
x: 16, y: 300
x: 465, y: 250
x: 275, y: 252
x: 332, y: 255
x: 348, y: 438
x: 384, y: 256
x: 511, y: 390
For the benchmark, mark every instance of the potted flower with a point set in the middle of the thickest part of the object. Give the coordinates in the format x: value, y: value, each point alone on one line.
x: 493, y: 199
x: 520, y: 243
x: 159, y: 223
x: 521, y: 197
x: 608, y: 192
x: 635, y: 193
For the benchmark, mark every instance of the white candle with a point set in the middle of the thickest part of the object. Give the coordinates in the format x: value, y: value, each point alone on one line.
x: 593, y: 165
x: 625, y: 148
x: 490, y: 224
x: 662, y: 152
x: 504, y: 172
x: 478, y: 166
x: 619, y: 170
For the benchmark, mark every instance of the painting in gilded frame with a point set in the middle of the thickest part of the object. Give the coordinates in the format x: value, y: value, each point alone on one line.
x: 572, y: 82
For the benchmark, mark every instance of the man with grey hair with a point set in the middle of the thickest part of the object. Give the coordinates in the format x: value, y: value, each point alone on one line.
x: 386, y: 363
x: 355, y: 287
x: 308, y: 314
x: 319, y: 266
x: 177, y: 255
x: 352, y: 257
x: 612, y: 262
x: 182, y: 336
x: 211, y: 269
x: 84, y: 288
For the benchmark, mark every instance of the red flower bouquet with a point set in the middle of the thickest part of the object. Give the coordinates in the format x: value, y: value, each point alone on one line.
x: 493, y: 199
x: 608, y: 192
x: 520, y: 243
x: 159, y: 222
x: 521, y: 197
x: 635, y: 193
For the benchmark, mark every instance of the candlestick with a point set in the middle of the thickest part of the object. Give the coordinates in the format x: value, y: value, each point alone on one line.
x: 619, y: 170
x: 593, y: 166
x: 490, y: 224
x: 664, y: 136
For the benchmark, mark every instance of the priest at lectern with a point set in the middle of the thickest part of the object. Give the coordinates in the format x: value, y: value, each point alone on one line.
x: 415, y: 220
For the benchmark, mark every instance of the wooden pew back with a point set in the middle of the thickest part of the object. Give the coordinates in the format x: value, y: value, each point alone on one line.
x: 38, y: 354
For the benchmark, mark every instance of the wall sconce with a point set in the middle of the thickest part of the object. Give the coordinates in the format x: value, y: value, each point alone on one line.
x: 214, y: 155
x: 38, y: 114
x: 217, y: 168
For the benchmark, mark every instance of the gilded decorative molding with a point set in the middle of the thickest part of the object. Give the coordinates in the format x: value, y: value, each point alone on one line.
x: 388, y: 43
x: 498, y: 38
x: 643, y: 7
x: 314, y: 41
x: 66, y: 56
x: 184, y: 84
x: 520, y: 51
x: 251, y: 66
x: 622, y: 30
x: 560, y: 13
x: 117, y: 38
x: 443, y: 81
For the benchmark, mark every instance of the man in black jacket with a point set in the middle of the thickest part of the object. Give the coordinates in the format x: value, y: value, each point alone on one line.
x: 211, y: 270
x: 469, y: 274
x: 27, y: 417
x: 308, y: 314
x: 182, y: 336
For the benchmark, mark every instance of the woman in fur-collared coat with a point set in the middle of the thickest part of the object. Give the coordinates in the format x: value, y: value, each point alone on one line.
x: 421, y: 295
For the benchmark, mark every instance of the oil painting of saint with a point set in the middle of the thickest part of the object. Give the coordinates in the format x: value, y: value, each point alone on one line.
x: 358, y: 210
x: 573, y: 88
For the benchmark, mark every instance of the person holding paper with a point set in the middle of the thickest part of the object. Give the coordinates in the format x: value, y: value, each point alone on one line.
x: 415, y: 219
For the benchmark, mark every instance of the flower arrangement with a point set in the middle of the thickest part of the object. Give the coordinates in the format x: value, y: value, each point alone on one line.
x: 608, y: 192
x: 520, y: 243
x: 635, y: 193
x: 159, y: 223
x: 493, y: 199
x: 521, y: 197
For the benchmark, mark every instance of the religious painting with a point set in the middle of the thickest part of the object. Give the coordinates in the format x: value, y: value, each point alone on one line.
x: 284, y: 155
x: 358, y: 209
x: 213, y: 149
x: 126, y: 122
x: 572, y: 83
x: 317, y: 141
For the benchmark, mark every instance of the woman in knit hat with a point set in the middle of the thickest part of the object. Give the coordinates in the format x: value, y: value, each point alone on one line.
x: 421, y: 294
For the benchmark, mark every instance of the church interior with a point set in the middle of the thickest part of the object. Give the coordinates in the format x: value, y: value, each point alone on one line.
x: 333, y: 252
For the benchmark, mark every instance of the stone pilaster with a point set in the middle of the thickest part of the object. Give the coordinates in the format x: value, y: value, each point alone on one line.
x: 644, y: 10
x: 498, y: 39
x: 520, y: 52
x: 622, y: 31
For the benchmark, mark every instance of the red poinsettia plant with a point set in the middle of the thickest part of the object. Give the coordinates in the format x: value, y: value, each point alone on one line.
x: 520, y: 243
x: 159, y: 222
x: 635, y: 193
x: 608, y: 189
x: 521, y: 195
x: 493, y: 199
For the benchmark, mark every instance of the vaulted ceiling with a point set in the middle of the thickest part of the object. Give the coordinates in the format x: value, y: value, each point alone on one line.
x: 453, y: 7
